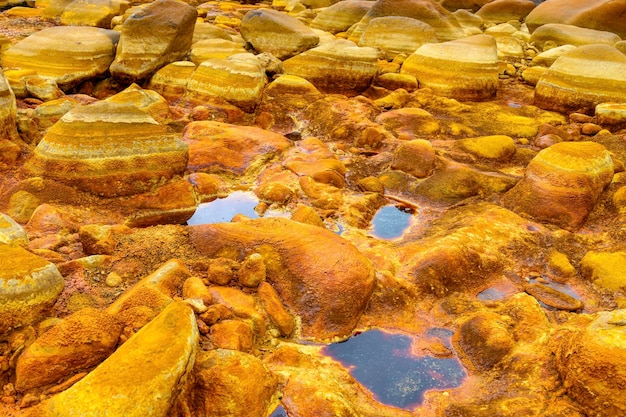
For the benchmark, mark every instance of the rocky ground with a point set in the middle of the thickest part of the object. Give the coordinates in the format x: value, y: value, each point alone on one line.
x: 500, y: 125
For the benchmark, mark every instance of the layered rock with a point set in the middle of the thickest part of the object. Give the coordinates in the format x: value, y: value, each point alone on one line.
x: 585, y: 355
x: 427, y: 11
x: 29, y: 286
x: 11, y: 232
x: 214, y: 49
x: 307, y: 266
x: 277, y: 33
x: 557, y: 34
x: 160, y: 33
x: 583, y: 78
x: 98, y: 13
x: 109, y: 149
x: 340, y: 16
x: 499, y: 11
x: 562, y: 183
x: 8, y: 111
x: 217, y: 147
x: 397, y: 34
x: 465, y: 69
x: 123, y: 384
x: 171, y: 80
x: 68, y: 55
x: 595, y: 14
x: 238, y: 80
x: 146, y: 100
x: 335, y: 67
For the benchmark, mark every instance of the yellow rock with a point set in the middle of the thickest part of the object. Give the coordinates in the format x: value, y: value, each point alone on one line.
x: 109, y: 149
x: 67, y: 54
x: 497, y: 147
x: 214, y: 49
x: 605, y: 269
x: 171, y: 80
x: 11, y: 232
x: 29, y: 286
x: 8, y: 110
x: 340, y: 16
x: 555, y: 34
x: 147, y: 100
x: 141, y: 378
x: 397, y: 34
x: 96, y: 13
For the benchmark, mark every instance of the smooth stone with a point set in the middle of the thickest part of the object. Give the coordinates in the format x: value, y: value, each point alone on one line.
x: 397, y: 35
x: 203, y: 31
x: 171, y: 80
x: 583, y: 353
x: 277, y: 33
x: 553, y: 298
x: 583, y: 78
x: 238, y: 80
x: 547, y: 58
x: 485, y: 339
x: 471, y: 5
x: 97, y: 13
x: 497, y: 147
x: 29, y: 286
x: 148, y: 101
x: 124, y: 384
x: 409, y: 122
x: 11, y: 232
x: 464, y: 69
x: 214, y: 49
x: 217, y: 147
x: 233, y: 335
x: 151, y: 37
x: 109, y: 149
x: 604, y: 269
x: 593, y: 14
x: 291, y: 248
x: 562, y: 183
x: 194, y: 288
x: 532, y: 75
x: 336, y: 67
x: 340, y: 16
x: 557, y: 34
x: 68, y: 55
x: 416, y: 157
x: 500, y: 11
x: 611, y: 115
x: 78, y: 343
x: 275, y: 309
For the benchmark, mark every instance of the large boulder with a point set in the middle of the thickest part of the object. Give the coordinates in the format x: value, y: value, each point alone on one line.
x: 397, y: 35
x: 66, y: 54
x: 557, y: 34
x: 109, y: 149
x: 98, y: 13
x: 307, y: 265
x: 500, y: 11
x: 29, y: 286
x: 581, y: 79
x: 277, y: 33
x: 562, y: 184
x: 159, y: 33
x: 336, y: 67
x: 341, y: 16
x: 593, y: 14
x: 464, y: 69
x: 141, y: 378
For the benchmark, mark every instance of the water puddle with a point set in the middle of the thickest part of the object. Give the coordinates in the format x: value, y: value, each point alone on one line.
x: 385, y: 364
x: 391, y: 221
x: 224, y: 209
x: 279, y: 412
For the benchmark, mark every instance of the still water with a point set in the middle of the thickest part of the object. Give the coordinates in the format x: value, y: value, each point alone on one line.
x: 391, y: 221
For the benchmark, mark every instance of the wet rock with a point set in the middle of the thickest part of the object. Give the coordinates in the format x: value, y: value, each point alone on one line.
x: 123, y: 384
x: 277, y: 33
x: 109, y: 149
x: 157, y: 34
x: 11, y: 232
x: 77, y: 343
x: 224, y: 148
x: 596, y: 14
x: 465, y: 69
x: 238, y: 80
x: 241, y: 305
x: 315, y: 160
x: 233, y: 335
x: 397, y: 34
x: 78, y: 53
x: 588, y: 358
x: 300, y: 261
x: 335, y: 67
x: 307, y: 215
x: 428, y: 12
x: 485, y: 339
x: 556, y: 34
x: 274, y: 308
x: 562, y: 183
x: 228, y: 383
x: 498, y: 147
x: 500, y: 11
x: 409, y: 122
x: 29, y: 286
x: 604, y: 269
x: 98, y: 13
x: 340, y: 16
x: 416, y: 157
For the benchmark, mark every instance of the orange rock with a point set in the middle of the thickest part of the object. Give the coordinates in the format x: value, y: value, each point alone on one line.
x: 233, y: 335
x: 222, y: 270
x: 76, y: 344
x: 415, y: 157
x: 219, y: 147
x: 193, y: 287
x: 109, y: 149
x: 485, y: 339
x: 307, y: 265
x: 275, y: 309
x: 409, y: 122
x: 171, y: 80
x: 252, y: 271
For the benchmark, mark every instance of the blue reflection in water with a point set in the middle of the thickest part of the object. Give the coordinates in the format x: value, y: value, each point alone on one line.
x: 383, y: 363
x: 224, y: 209
x: 390, y: 222
x: 279, y: 412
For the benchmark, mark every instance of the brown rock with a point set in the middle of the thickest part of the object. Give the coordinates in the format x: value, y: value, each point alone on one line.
x: 222, y: 270
x: 416, y: 157
x: 101, y: 239
x: 485, y: 339
x: 157, y: 34
x: 300, y: 261
x: 76, y: 344
x: 553, y: 298
x: 410, y: 122
x: 233, y: 335
x: 562, y: 183
x: 275, y: 310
